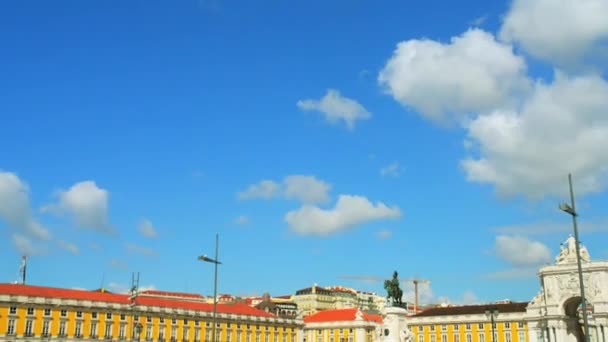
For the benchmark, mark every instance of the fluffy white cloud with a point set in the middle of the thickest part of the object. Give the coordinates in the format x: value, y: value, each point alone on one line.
x: 348, y: 212
x: 473, y: 73
x: 15, y: 208
x: 336, y: 108
x: 146, y: 229
x: 521, y: 252
x: 305, y: 189
x: 566, y: 33
x: 562, y: 128
x: 87, y: 204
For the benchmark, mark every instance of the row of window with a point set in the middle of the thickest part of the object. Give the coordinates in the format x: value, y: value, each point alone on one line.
x: 521, y: 337
x: 444, y: 327
x: 94, y: 315
x: 137, y: 333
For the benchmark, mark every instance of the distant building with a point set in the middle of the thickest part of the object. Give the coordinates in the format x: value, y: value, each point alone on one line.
x: 315, y: 298
x: 469, y: 323
x: 280, y: 306
x: 341, y: 325
x: 29, y: 313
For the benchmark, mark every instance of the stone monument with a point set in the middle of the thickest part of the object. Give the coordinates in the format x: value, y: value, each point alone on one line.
x: 394, y: 327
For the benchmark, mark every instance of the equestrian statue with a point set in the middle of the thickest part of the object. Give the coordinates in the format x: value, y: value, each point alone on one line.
x: 394, y: 292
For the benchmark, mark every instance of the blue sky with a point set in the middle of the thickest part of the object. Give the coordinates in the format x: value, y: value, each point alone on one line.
x: 318, y: 138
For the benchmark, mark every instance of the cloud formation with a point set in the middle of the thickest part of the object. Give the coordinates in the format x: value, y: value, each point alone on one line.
x: 521, y: 252
x: 538, y: 26
x: 348, y: 212
x: 393, y: 170
x: 336, y: 108
x: 303, y: 188
x: 525, y: 151
x: 473, y: 73
x: 137, y: 249
x: 15, y: 209
x: 523, y: 136
x: 87, y: 204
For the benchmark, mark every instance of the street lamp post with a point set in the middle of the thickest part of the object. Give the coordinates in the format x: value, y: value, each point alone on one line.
x: 492, y: 314
x: 571, y: 210
x: 215, y: 262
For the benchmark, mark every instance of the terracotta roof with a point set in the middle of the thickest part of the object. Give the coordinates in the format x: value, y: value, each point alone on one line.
x: 473, y: 309
x: 171, y: 294
x: 49, y: 292
x: 340, y: 315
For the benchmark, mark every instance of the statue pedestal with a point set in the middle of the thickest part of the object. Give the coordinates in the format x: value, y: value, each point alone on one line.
x: 394, y: 327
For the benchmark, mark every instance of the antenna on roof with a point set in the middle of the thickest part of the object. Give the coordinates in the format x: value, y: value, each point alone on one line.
x: 134, y: 286
x: 103, y: 279
x: 23, y: 269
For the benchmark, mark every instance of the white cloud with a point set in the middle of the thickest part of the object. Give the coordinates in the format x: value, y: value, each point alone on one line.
x: 303, y: 188
x: 87, y: 204
x: 146, y: 229
x: 70, y: 247
x: 15, y: 207
x: 566, y: 33
x: 241, y: 220
x: 306, y: 189
x: 348, y: 212
x: 521, y: 252
x: 473, y: 73
x: 137, y: 249
x: 265, y: 189
x: 392, y: 169
x: 562, y: 128
x: 336, y: 108
x: 384, y: 234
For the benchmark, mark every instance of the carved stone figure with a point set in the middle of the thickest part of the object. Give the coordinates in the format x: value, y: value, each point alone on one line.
x: 406, y: 335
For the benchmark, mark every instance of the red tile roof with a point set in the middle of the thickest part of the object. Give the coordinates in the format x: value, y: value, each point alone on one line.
x: 49, y: 292
x: 171, y: 294
x: 340, y: 315
x: 473, y: 309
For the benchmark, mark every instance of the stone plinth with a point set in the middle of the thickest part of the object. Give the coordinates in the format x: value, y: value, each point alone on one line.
x: 394, y: 326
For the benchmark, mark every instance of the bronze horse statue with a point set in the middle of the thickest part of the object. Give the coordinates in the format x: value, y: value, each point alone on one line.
x: 393, y: 290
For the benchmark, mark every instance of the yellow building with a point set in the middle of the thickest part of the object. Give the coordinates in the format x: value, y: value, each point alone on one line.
x: 471, y: 323
x: 43, y: 313
x: 341, y: 325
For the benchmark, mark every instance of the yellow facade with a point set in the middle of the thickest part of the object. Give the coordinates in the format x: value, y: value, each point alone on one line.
x: 38, y: 318
x: 516, y: 331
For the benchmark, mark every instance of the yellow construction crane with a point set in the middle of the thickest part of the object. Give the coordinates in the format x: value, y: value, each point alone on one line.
x: 414, y: 281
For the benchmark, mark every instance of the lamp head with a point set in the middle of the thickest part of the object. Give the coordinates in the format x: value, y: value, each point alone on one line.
x: 567, y: 208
